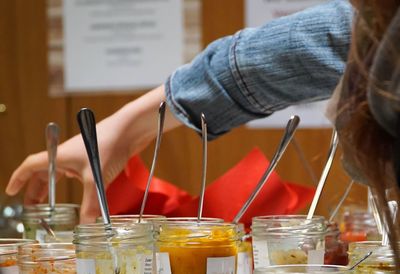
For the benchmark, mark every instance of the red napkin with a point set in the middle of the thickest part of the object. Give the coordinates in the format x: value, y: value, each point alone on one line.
x: 223, y: 198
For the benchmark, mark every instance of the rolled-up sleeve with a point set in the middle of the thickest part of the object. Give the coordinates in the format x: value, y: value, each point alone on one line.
x: 257, y: 71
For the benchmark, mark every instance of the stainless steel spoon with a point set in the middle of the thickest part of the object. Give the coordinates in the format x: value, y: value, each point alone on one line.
x: 339, y: 205
x: 361, y: 260
x: 52, y: 140
x: 161, y: 117
x: 87, y: 125
x: 324, y: 175
x: 204, y: 169
x: 288, y: 135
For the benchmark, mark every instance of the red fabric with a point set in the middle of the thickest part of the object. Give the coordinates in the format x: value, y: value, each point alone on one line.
x: 223, y: 198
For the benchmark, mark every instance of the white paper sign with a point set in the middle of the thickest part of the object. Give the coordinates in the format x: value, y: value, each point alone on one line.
x: 316, y: 257
x: 259, y: 12
x: 244, y: 265
x: 121, y: 44
x: 9, y: 270
x: 221, y: 265
x: 163, y: 264
x: 260, y: 253
x: 85, y: 266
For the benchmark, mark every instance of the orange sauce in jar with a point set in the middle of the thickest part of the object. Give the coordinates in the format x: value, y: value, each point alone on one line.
x: 195, y: 247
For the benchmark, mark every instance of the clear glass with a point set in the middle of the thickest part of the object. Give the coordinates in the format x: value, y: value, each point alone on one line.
x: 8, y: 254
x: 381, y: 260
x: 47, y: 258
x: 187, y: 246
x: 335, y: 248
x: 128, y: 246
x: 131, y: 218
x: 317, y: 269
x: 62, y: 221
x: 245, y: 251
x: 288, y: 239
x: 357, y: 225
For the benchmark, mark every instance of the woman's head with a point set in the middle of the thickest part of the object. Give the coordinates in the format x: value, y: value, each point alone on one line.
x: 368, y: 110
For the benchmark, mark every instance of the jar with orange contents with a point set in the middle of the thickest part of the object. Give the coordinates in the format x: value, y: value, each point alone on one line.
x: 48, y: 258
x: 8, y: 254
x: 187, y: 246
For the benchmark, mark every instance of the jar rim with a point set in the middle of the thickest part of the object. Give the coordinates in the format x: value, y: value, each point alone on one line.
x: 308, y: 267
x: 190, y: 220
x: 9, y: 246
x: 287, y: 217
x: 31, y: 254
x: 123, y: 233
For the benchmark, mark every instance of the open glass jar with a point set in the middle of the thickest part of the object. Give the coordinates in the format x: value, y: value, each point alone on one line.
x: 288, y: 239
x: 62, y: 221
x: 335, y: 248
x: 126, y: 246
x: 298, y: 269
x: 188, y: 246
x: 47, y: 258
x: 381, y: 260
x: 8, y: 254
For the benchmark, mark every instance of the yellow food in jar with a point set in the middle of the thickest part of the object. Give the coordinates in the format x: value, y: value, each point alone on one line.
x: 189, y: 250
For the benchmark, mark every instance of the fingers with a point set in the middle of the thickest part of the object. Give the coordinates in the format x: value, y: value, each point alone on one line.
x: 90, y: 209
x: 37, y: 189
x: 26, y: 171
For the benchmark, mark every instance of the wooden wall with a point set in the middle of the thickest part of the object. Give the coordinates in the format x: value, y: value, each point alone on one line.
x: 23, y: 88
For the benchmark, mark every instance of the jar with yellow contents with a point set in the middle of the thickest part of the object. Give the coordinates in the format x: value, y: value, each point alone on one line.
x: 128, y: 247
x: 197, y: 247
x: 381, y: 261
x: 288, y: 239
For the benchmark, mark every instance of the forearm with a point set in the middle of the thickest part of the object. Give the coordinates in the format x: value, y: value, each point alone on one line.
x: 258, y: 71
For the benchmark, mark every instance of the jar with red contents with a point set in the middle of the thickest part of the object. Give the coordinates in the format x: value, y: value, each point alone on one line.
x: 335, y: 249
x: 358, y: 226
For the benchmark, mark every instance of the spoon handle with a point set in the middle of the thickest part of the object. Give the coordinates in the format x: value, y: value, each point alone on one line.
x: 288, y: 135
x: 204, y: 168
x: 87, y: 125
x: 161, y: 118
x: 324, y: 175
x: 52, y: 139
x: 338, y: 206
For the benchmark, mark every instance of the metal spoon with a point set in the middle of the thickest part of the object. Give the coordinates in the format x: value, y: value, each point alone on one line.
x: 345, y: 194
x: 324, y: 175
x: 360, y: 261
x: 288, y: 135
x: 204, y: 170
x: 52, y: 139
x: 87, y: 125
x: 47, y: 228
x: 161, y: 117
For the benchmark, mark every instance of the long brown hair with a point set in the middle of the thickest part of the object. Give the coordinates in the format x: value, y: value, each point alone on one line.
x: 367, y: 146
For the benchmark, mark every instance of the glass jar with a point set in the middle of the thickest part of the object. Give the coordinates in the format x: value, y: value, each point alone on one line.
x: 335, y: 249
x: 317, y: 269
x: 288, y: 239
x: 245, y: 252
x: 47, y: 258
x: 8, y: 254
x: 62, y: 221
x: 187, y: 246
x: 358, y: 225
x: 381, y: 260
x: 127, y: 246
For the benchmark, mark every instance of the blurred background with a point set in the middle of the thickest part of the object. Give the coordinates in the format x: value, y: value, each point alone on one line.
x: 32, y: 95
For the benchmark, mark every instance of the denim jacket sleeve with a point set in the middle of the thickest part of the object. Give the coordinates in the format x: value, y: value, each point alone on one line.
x: 257, y: 71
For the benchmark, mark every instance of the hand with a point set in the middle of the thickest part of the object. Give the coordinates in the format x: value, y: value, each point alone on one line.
x: 121, y: 135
